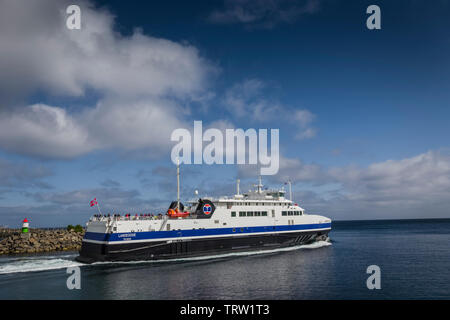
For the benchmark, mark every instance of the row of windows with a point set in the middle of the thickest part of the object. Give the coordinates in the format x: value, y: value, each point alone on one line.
x: 261, y: 204
x: 291, y: 213
x: 250, y: 213
x: 229, y: 204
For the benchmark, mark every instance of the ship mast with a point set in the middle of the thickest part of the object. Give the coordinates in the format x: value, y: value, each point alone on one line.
x: 178, y: 184
x: 290, y: 189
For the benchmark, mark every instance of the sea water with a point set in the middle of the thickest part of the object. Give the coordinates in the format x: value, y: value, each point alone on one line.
x: 413, y: 257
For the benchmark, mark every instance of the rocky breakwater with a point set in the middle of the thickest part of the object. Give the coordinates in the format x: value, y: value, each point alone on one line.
x: 38, y: 240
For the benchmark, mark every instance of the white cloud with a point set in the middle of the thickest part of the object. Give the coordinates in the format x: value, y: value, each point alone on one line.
x: 133, y: 125
x: 247, y: 100
x: 43, y: 54
x: 43, y: 130
x: 290, y: 169
x: 408, y: 181
x: 303, y: 119
x: 418, y: 186
x: 296, y: 170
x: 51, y: 132
x: 139, y: 81
x: 307, y: 133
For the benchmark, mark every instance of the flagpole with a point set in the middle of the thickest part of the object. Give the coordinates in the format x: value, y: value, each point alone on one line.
x: 98, y: 207
x: 178, y: 184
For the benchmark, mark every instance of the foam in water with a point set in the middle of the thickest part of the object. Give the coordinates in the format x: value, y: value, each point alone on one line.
x: 44, y: 263
x: 41, y: 263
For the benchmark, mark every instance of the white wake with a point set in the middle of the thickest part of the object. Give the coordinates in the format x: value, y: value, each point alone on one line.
x: 54, y: 262
x: 37, y: 263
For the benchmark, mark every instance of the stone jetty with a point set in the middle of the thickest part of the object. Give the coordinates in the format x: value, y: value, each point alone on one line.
x: 39, y: 240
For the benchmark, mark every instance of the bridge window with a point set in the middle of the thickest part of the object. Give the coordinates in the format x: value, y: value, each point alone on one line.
x: 250, y: 214
x: 241, y: 213
x: 233, y: 213
x: 264, y: 213
x: 284, y: 213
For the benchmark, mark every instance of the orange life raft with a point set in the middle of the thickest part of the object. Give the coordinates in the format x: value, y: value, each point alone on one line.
x: 175, y: 213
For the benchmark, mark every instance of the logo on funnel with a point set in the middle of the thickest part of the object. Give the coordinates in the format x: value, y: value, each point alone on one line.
x: 207, y: 209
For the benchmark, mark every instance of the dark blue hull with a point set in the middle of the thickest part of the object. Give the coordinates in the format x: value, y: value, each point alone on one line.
x: 182, y: 248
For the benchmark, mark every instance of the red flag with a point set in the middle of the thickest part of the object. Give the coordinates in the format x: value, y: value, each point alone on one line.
x: 93, y: 202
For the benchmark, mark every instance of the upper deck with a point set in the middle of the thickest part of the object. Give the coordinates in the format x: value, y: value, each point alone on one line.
x: 256, y: 208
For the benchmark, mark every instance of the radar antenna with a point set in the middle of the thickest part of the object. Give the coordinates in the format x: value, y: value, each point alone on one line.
x: 290, y: 189
x: 259, y: 186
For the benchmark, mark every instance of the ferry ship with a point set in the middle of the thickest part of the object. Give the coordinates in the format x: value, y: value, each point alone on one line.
x: 258, y: 220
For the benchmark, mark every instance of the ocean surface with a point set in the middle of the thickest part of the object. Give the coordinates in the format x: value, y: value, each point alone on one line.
x: 413, y: 256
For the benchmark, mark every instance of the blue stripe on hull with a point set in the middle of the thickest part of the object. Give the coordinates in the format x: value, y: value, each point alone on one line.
x: 149, y: 235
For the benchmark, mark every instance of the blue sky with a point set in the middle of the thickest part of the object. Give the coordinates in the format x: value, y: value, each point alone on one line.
x: 363, y: 114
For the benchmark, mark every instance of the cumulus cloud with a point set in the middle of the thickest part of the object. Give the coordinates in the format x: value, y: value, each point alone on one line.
x: 296, y: 170
x: 418, y: 186
x: 247, y: 100
x: 43, y: 54
x: 425, y: 177
x: 290, y: 169
x: 52, y: 132
x: 43, y: 130
x: 263, y: 13
x: 303, y: 119
x: 139, y: 81
x: 133, y: 125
